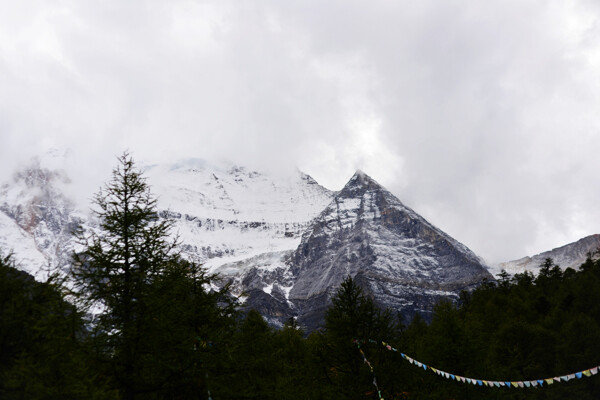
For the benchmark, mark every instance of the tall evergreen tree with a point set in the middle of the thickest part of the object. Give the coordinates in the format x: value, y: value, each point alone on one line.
x: 114, y: 273
x: 353, y: 316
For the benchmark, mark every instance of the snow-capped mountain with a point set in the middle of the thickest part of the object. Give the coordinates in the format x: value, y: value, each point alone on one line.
x: 221, y: 213
x: 285, y: 242
x: 37, y: 217
x: 571, y: 255
x: 398, y: 257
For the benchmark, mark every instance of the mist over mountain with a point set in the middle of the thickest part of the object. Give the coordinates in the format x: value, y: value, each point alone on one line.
x: 284, y: 242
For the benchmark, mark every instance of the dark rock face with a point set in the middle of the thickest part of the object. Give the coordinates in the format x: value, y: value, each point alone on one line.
x: 399, y: 258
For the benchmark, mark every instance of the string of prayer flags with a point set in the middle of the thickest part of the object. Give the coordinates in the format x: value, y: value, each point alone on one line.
x: 481, y: 382
x: 370, y: 367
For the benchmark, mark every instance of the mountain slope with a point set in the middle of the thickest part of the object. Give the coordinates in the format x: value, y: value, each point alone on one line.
x: 227, y: 214
x: 37, y: 218
x: 398, y: 257
x: 571, y: 255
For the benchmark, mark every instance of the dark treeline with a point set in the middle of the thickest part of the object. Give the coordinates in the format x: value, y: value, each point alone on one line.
x: 516, y: 329
x: 134, y: 320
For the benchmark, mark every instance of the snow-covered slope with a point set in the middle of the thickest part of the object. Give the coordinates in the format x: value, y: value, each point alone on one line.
x: 15, y: 240
x: 227, y: 214
x: 571, y: 255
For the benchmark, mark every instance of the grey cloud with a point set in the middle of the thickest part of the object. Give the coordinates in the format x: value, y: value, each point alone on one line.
x: 482, y: 116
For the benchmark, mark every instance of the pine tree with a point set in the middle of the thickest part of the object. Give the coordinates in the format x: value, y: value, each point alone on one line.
x: 353, y: 316
x: 116, y: 270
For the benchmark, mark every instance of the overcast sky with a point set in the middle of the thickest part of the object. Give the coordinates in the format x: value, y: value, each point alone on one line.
x: 483, y: 116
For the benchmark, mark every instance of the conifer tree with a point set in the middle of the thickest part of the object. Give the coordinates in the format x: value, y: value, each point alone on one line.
x: 117, y: 268
x: 154, y: 319
x: 353, y: 316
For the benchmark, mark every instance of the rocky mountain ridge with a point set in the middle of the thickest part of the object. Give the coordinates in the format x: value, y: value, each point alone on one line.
x: 285, y: 242
x: 571, y: 255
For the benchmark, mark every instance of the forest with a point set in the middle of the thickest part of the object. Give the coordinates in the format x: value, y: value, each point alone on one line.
x: 133, y: 319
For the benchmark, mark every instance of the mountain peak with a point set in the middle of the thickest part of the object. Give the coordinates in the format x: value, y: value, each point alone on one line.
x: 366, y: 232
x: 359, y: 184
x: 361, y: 176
